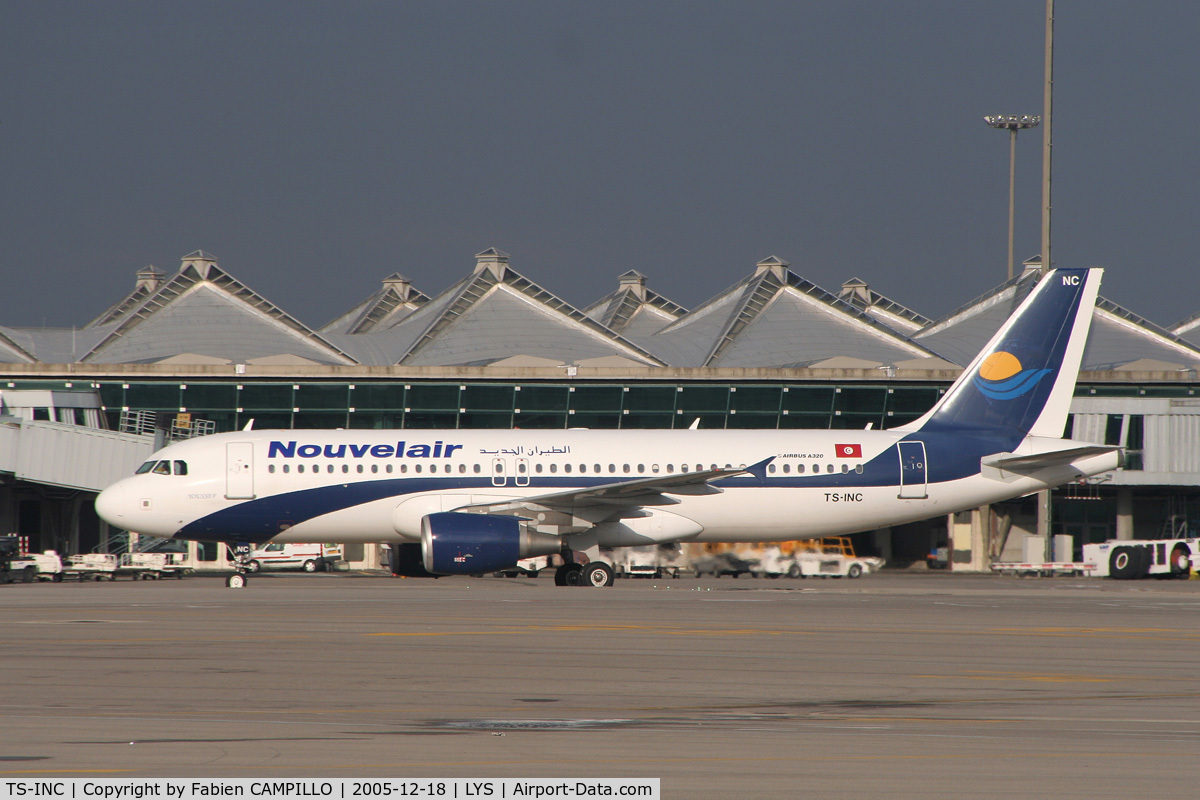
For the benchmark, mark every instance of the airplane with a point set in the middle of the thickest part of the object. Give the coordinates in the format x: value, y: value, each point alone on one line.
x: 476, y: 501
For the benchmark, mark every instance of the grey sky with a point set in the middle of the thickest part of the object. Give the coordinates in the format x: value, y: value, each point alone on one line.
x: 317, y: 147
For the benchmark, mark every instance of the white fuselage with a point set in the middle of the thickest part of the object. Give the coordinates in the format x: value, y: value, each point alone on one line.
x: 354, y: 485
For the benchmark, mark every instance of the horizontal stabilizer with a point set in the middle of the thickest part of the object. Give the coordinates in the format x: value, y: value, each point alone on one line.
x: 1030, y: 463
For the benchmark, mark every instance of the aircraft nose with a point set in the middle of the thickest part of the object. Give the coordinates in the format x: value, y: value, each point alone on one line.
x: 112, y: 505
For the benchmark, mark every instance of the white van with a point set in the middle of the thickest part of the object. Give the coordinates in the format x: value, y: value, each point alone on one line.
x: 308, y: 557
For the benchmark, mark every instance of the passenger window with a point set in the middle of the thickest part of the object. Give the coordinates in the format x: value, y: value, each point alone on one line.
x: 270, y: 468
x: 799, y: 469
x: 583, y: 467
x: 374, y: 468
x: 845, y: 467
x: 566, y: 467
x: 181, y: 468
x: 641, y: 468
x: 417, y: 468
x: 654, y: 468
x: 537, y: 468
x: 554, y: 467
x: 787, y: 468
x: 433, y: 467
x: 345, y: 467
x: 360, y: 468
x: 299, y: 468
x: 286, y: 468
x: 625, y: 468
x: 389, y: 469
x: 670, y: 467
x: 829, y: 467
x: 858, y: 468
x: 144, y: 468
x: 521, y: 467
x: 477, y: 469
x: 816, y: 468
x: 612, y: 467
x: 462, y: 469
x: 162, y: 468
x: 771, y: 468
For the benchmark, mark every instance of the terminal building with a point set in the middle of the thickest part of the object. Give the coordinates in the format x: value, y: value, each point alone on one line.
x: 199, y: 352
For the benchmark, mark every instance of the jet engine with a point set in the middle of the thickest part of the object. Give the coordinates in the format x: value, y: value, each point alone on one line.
x: 454, y: 543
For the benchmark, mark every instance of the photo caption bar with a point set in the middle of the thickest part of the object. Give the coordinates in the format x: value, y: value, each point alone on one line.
x: 335, y: 789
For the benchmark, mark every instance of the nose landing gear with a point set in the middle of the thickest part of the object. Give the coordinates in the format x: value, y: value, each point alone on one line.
x: 241, y: 566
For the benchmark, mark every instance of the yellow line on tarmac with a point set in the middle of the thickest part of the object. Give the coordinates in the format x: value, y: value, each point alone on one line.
x: 656, y: 630
x: 60, y: 771
x: 630, y: 761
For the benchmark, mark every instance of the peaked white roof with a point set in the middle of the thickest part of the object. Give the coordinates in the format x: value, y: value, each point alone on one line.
x: 1118, y: 337
x: 774, y: 318
x: 491, y: 315
x: 205, y: 311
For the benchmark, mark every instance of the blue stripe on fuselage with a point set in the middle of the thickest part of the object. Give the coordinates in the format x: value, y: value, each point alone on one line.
x: 949, y: 457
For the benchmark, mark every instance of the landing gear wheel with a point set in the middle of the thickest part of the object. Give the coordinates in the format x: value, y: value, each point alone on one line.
x: 569, y: 575
x: 236, y: 581
x: 598, y: 574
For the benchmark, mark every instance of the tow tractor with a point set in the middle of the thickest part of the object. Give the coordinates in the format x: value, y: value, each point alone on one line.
x: 17, y: 564
x: 1128, y: 559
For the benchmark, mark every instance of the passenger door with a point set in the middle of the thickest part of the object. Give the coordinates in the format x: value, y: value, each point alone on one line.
x: 239, y: 470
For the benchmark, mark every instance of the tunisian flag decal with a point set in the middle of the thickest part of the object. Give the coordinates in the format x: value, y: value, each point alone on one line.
x: 848, y: 450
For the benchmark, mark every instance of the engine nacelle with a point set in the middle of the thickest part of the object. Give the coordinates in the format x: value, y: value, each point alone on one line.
x: 453, y: 543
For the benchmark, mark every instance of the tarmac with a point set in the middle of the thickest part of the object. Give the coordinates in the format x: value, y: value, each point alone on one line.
x: 898, y: 685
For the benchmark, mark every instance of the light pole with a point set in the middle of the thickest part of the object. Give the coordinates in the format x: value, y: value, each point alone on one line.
x: 1012, y: 124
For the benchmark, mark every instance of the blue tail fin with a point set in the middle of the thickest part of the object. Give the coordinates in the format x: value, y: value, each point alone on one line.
x: 1023, y: 380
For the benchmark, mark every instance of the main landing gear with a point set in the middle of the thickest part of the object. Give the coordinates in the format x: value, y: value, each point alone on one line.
x: 594, y: 573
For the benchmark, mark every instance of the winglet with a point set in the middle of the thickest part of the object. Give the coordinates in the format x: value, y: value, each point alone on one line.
x: 759, y: 470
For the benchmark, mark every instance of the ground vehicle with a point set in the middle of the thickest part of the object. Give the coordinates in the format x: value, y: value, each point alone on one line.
x: 1126, y: 559
x: 18, y: 565
x: 718, y: 564
x: 308, y: 557
x: 529, y: 567
x: 648, y: 561
x: 832, y: 557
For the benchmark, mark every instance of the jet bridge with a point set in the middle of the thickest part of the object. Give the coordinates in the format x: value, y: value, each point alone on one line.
x: 69, y: 456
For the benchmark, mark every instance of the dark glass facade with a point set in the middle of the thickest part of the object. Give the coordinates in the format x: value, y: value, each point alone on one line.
x: 490, y: 404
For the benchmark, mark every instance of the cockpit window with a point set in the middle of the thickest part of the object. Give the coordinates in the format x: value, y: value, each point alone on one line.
x: 181, y: 468
x: 144, y: 468
x: 162, y: 468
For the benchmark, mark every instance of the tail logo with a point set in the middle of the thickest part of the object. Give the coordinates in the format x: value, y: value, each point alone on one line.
x: 1001, y: 377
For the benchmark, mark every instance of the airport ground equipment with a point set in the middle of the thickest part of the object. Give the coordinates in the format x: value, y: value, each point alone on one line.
x: 1044, y: 569
x: 648, y: 561
x: 91, y: 566
x: 529, y: 567
x: 1127, y: 559
x: 832, y: 557
x: 44, y: 566
x: 309, y: 557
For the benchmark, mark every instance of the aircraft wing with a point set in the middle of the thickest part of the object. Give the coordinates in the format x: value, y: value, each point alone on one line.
x: 1016, y: 463
x: 619, y: 499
